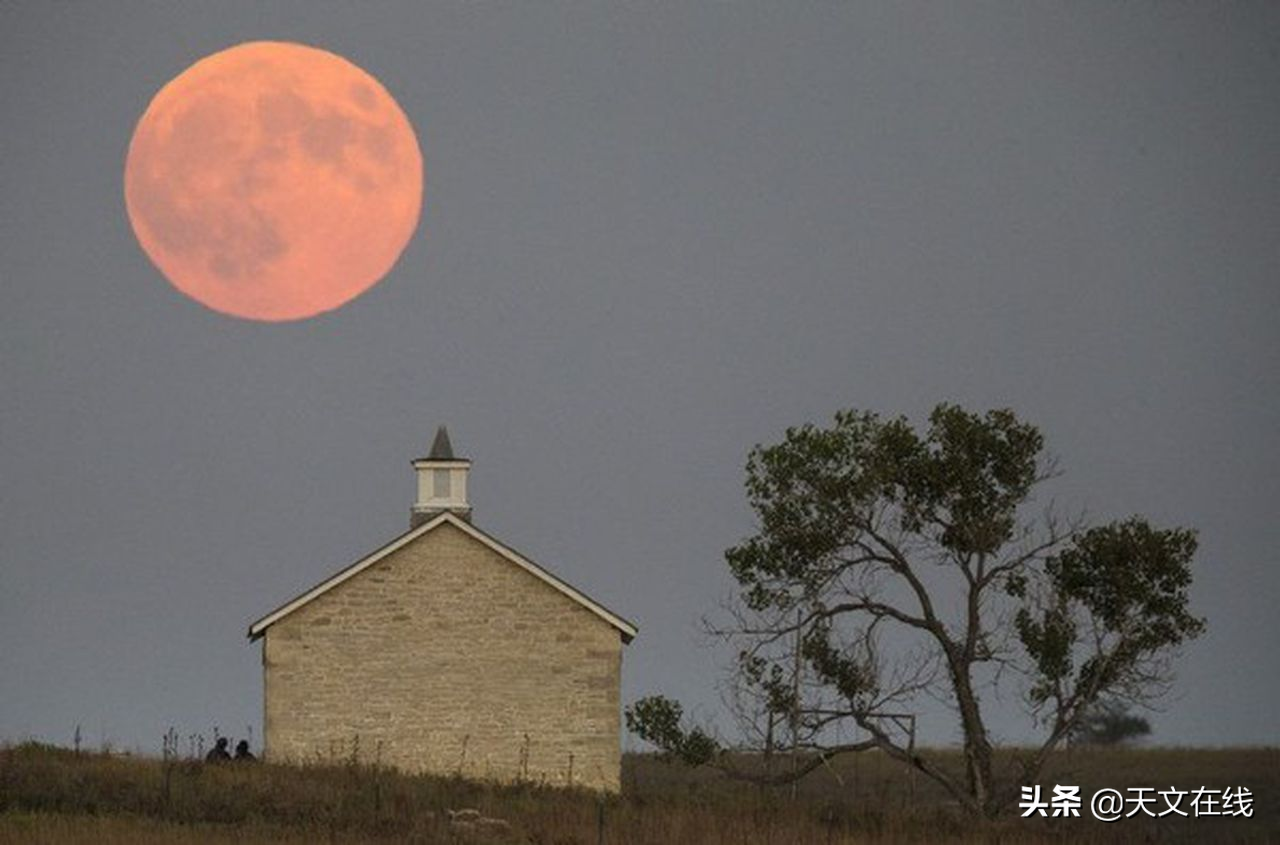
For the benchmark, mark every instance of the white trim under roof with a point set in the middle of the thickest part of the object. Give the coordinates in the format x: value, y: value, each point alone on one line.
x: 627, y: 629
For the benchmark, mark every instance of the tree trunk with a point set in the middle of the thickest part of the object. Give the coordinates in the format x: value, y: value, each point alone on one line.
x: 977, y: 748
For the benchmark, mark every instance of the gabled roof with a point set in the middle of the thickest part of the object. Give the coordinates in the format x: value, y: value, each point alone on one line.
x: 627, y: 629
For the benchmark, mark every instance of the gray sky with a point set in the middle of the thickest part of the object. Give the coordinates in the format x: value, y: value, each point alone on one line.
x: 653, y: 236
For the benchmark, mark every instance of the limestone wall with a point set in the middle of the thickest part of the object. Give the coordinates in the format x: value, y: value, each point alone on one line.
x: 445, y: 657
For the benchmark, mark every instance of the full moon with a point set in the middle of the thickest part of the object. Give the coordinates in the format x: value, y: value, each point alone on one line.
x: 273, y: 181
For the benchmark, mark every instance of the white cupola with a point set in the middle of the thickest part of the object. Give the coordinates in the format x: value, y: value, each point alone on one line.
x: 442, y: 483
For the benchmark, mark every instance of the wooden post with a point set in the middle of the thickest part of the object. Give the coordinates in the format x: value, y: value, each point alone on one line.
x: 857, y: 759
x: 795, y: 708
x: 768, y: 753
x: 911, y: 748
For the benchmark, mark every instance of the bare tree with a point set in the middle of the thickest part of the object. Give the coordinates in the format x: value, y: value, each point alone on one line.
x: 899, y: 565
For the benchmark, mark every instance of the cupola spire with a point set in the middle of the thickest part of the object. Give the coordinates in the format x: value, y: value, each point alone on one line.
x: 441, y: 448
x: 442, y: 482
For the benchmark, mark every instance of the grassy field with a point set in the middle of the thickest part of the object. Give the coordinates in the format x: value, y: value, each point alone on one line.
x: 50, y: 795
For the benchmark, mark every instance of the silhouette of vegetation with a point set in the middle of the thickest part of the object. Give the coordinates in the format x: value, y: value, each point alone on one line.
x: 894, y: 566
x: 1109, y: 723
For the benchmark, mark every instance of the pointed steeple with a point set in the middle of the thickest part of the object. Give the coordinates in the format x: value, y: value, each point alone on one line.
x: 442, y: 482
x: 441, y: 448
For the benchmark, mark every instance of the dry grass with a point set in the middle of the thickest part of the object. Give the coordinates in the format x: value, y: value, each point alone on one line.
x: 19, y: 828
x: 59, y: 797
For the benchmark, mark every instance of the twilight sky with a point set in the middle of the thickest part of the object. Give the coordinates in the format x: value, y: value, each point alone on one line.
x: 653, y: 236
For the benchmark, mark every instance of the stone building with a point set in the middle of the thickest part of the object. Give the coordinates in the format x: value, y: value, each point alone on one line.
x: 447, y: 651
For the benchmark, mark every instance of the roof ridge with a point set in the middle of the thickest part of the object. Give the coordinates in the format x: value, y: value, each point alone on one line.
x: 626, y: 628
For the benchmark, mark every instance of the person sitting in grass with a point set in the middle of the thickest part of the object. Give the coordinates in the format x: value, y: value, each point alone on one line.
x: 243, y: 752
x: 218, y: 753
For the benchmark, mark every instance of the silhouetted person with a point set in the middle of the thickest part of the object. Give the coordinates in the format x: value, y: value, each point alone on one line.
x: 218, y: 753
x: 243, y: 752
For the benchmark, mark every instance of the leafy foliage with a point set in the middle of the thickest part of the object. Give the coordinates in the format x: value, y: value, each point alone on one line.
x: 872, y: 534
x: 1130, y: 582
x: 656, y: 719
x: 1109, y: 723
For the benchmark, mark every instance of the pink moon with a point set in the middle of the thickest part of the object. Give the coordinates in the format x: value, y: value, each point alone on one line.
x: 273, y: 181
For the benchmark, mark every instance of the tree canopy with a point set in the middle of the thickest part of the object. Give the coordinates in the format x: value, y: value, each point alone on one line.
x: 1109, y: 723
x: 892, y: 564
